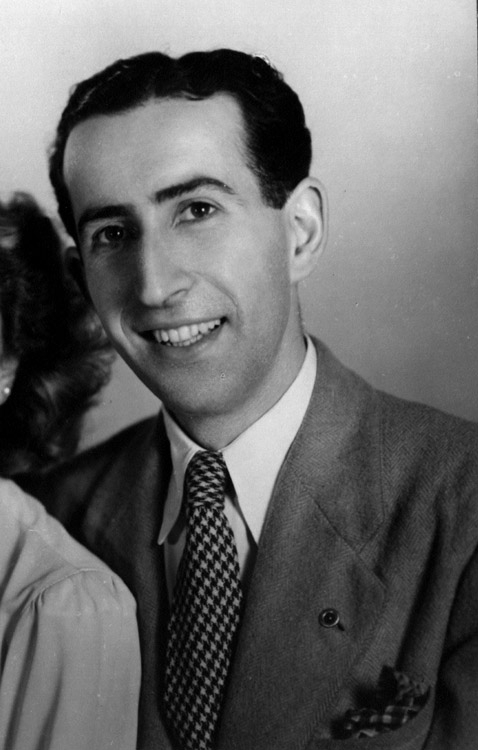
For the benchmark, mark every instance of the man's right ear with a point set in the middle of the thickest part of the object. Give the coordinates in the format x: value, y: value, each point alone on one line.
x: 75, y: 268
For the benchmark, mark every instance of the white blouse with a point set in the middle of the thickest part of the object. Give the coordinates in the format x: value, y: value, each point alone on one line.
x: 69, y: 650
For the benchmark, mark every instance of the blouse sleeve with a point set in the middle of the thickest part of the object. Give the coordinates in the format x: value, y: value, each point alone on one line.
x: 71, y: 668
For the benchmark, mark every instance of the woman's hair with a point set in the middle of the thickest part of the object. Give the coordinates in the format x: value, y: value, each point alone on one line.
x: 48, y: 327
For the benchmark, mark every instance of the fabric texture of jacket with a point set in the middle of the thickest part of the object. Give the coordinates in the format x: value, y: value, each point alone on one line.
x: 367, y: 560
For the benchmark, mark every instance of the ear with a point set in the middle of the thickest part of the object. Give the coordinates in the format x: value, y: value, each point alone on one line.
x: 307, y: 220
x: 74, y: 265
x: 8, y: 370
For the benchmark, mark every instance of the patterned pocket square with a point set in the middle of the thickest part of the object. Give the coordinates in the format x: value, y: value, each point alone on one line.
x: 399, y: 700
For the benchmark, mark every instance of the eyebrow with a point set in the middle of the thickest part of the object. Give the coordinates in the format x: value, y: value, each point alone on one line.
x: 174, y: 191
x: 160, y: 196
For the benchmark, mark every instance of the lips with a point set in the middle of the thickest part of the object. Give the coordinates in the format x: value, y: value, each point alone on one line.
x: 185, y: 335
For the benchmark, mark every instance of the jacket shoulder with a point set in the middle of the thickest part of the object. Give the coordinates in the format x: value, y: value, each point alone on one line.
x: 400, y: 457
x: 428, y: 435
x: 429, y: 470
x: 68, y: 486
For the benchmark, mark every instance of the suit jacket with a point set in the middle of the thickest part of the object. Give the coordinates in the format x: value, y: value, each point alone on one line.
x: 374, y: 515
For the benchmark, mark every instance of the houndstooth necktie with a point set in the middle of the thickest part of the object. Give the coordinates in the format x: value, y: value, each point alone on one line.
x: 205, y: 609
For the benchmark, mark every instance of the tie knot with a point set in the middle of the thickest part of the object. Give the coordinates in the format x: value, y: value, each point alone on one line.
x: 206, y: 478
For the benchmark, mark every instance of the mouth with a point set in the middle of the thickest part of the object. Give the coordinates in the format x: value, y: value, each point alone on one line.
x: 185, y: 335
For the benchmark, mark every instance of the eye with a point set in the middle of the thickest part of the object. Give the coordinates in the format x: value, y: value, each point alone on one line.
x: 196, y: 211
x: 110, y: 235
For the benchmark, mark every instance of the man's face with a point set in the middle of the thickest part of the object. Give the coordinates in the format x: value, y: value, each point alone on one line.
x: 187, y: 267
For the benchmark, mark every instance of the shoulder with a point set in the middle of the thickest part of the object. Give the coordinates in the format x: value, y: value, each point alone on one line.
x: 400, y: 425
x: 432, y: 457
x: 40, y: 564
x: 68, y: 635
x: 130, y: 441
x: 417, y: 437
x: 112, y: 463
x: 409, y: 459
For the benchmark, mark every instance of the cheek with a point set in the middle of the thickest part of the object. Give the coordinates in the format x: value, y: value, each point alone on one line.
x: 269, y: 276
x: 265, y: 300
x: 260, y: 258
x: 105, y: 294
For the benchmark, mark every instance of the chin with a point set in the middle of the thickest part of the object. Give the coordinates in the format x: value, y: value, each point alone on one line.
x: 197, y: 398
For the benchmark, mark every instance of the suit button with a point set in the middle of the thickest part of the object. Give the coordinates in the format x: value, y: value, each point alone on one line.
x: 329, y: 618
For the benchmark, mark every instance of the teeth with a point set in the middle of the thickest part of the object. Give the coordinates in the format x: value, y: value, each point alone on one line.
x: 185, y: 335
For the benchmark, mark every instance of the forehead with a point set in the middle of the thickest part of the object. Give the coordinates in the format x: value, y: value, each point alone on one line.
x: 165, y: 140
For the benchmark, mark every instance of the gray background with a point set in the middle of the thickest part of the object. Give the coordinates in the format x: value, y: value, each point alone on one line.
x: 389, y: 91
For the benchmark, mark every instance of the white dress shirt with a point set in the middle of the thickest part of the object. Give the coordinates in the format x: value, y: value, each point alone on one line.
x: 253, y: 460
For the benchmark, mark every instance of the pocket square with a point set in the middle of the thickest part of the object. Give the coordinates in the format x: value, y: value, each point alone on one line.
x: 399, y: 699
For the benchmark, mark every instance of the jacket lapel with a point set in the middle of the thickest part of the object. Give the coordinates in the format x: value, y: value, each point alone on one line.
x: 289, y: 667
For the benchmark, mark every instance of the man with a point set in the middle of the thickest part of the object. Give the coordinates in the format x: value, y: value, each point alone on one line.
x: 347, y: 519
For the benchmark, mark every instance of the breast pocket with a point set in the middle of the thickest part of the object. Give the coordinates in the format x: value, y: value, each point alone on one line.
x: 410, y: 736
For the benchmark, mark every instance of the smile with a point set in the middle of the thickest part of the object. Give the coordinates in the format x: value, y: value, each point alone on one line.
x: 185, y: 335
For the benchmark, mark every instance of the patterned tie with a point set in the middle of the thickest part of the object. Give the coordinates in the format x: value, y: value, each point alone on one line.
x: 205, y: 609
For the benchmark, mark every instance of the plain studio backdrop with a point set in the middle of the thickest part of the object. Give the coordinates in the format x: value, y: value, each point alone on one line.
x: 389, y: 91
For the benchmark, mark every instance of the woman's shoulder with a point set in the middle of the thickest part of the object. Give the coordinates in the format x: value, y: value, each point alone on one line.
x: 39, y: 560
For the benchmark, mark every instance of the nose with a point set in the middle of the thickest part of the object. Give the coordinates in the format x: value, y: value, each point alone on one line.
x: 161, y: 276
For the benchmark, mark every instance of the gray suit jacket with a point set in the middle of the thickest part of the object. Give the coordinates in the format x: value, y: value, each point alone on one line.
x: 374, y: 515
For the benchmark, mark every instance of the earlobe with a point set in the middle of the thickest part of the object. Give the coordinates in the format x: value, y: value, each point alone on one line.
x: 307, y: 213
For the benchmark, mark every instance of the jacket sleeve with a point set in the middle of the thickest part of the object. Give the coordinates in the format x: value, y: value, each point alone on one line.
x: 71, y: 668
x: 455, y: 719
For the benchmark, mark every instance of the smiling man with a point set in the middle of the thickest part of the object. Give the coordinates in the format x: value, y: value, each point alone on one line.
x: 193, y: 275
x: 301, y: 546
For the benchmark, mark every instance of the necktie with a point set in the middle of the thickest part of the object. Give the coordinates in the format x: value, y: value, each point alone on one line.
x: 205, y: 609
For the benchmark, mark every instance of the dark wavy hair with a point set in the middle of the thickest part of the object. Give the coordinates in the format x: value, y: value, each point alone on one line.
x: 277, y: 141
x: 62, y: 353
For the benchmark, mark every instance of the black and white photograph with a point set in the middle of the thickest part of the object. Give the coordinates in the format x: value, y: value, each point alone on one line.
x: 238, y: 375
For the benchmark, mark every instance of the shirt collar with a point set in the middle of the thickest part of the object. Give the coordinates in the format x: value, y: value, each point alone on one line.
x: 253, y: 459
